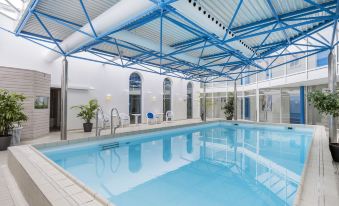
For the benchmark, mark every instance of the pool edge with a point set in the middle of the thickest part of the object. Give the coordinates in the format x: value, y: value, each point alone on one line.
x: 302, y: 198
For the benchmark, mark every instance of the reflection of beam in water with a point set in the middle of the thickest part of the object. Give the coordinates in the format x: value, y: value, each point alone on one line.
x: 279, y: 180
x: 167, y: 149
x: 189, y: 143
x: 152, y: 164
x: 260, y: 159
x: 134, y: 158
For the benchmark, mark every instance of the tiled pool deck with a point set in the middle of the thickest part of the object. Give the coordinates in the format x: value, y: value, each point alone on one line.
x: 321, y: 180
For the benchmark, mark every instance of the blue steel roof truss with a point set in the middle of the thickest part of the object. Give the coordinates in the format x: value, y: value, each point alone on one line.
x: 218, y: 65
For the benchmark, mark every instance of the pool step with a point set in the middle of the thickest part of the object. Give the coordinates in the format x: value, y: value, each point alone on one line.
x: 109, y: 146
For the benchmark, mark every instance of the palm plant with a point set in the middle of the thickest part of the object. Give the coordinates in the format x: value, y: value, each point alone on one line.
x: 229, y: 107
x: 87, y: 113
x: 11, y: 113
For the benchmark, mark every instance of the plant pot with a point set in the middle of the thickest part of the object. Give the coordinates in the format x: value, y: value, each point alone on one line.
x: 88, y: 127
x: 5, y: 141
x: 334, y: 149
x: 16, y: 135
x: 229, y: 118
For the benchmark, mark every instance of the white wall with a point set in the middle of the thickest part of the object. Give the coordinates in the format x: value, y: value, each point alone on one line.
x: 89, y: 80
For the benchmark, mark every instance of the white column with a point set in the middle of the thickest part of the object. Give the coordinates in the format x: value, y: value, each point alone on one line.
x: 64, y: 88
x: 307, y: 62
x: 257, y: 103
x: 235, y: 115
x: 204, y: 109
x: 212, y: 101
x: 243, y: 103
x: 332, y: 76
x: 281, y: 105
x: 306, y: 105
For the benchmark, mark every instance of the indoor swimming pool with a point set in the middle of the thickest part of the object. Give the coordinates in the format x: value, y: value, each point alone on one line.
x: 207, y: 164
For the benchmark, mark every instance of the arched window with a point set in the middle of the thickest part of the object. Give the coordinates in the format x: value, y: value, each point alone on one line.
x: 135, y: 84
x: 167, y: 90
x: 189, y: 100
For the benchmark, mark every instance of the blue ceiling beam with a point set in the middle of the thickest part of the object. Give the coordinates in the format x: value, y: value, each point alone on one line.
x: 201, y: 40
x: 286, y: 26
x: 291, y: 15
x: 322, y: 8
x: 232, y: 19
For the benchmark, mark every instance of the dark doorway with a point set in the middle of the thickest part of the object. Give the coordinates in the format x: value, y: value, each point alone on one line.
x: 189, y: 100
x: 135, y: 84
x: 55, y: 109
x: 294, y: 109
x: 134, y: 107
x: 167, y: 94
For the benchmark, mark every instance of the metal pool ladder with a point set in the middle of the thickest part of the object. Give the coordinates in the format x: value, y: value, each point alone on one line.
x: 113, y: 127
x: 97, y: 129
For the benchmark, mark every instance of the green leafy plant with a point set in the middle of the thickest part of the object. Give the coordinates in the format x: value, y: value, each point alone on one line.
x: 229, y: 107
x: 326, y: 103
x: 87, y: 112
x: 11, y: 111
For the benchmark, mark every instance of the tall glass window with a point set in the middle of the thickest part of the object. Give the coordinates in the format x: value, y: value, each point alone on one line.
x: 189, y: 100
x: 167, y: 92
x: 135, y: 84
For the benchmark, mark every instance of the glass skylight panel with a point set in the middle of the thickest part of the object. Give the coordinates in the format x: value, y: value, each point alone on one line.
x: 11, y: 8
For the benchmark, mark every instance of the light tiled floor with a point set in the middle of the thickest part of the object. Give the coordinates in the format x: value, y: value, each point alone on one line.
x: 9, y: 191
x: 321, y: 180
x: 6, y: 197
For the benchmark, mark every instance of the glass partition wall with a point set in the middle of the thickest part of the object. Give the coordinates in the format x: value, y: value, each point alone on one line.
x: 276, y: 105
x: 215, y: 103
x: 249, y: 106
x: 270, y: 105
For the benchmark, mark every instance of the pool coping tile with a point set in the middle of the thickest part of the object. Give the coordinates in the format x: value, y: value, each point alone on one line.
x: 309, y: 192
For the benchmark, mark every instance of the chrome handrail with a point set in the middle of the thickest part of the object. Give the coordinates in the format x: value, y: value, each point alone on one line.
x: 119, y: 123
x: 97, y: 121
x: 97, y: 129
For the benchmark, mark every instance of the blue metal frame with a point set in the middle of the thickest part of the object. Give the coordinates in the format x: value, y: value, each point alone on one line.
x: 218, y: 66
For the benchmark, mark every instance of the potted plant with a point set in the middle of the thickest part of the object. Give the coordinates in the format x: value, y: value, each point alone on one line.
x: 11, y: 113
x: 87, y: 113
x: 327, y: 104
x: 229, y: 107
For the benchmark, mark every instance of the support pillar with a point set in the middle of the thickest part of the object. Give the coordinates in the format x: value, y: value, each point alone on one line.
x: 235, y: 117
x: 281, y: 106
x: 204, y: 109
x: 257, y: 103
x: 302, y: 104
x: 64, y: 87
x: 332, y: 84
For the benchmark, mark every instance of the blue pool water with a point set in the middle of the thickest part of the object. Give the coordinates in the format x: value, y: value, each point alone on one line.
x: 212, y: 164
